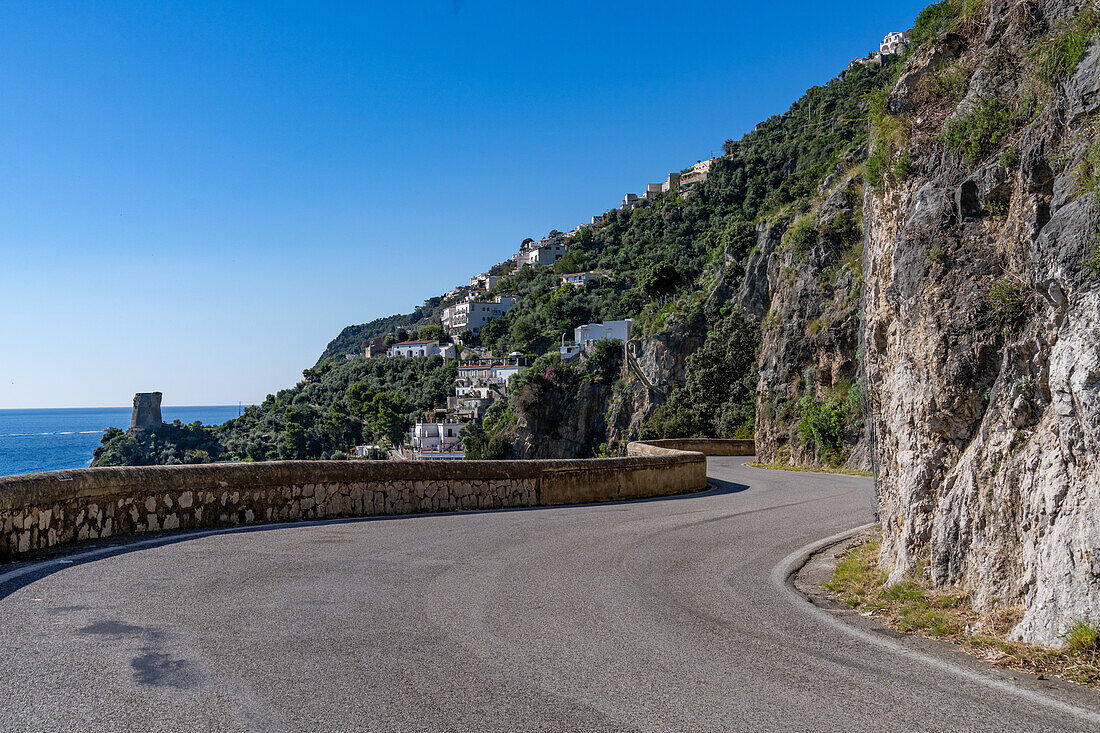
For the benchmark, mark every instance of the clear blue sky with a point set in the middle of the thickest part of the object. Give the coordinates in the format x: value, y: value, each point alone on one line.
x: 197, y: 196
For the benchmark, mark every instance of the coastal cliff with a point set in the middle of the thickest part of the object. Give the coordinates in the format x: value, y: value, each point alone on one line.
x: 982, y: 314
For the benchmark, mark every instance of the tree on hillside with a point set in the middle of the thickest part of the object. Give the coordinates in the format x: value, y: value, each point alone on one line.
x: 659, y: 280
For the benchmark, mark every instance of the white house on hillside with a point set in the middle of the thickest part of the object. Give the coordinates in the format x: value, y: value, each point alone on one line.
x: 696, y: 174
x: 437, y: 441
x: 894, y: 44
x: 484, y: 281
x: 471, y: 315
x: 588, y: 335
x: 578, y: 279
x: 546, y: 254
x: 421, y: 348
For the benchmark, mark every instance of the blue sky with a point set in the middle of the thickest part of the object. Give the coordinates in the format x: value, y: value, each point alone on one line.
x: 196, y: 197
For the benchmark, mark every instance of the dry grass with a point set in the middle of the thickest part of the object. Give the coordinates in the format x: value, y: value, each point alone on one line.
x: 812, y: 469
x: 913, y: 606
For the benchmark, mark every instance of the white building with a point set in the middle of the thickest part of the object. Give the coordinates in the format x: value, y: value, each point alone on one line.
x: 544, y: 254
x: 471, y: 315
x: 894, y: 43
x: 672, y: 183
x: 421, y: 348
x: 369, y: 451
x: 436, y: 441
x: 588, y: 335
x: 579, y: 279
x: 484, y: 375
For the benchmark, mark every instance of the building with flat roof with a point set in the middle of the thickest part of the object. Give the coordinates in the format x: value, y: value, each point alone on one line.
x: 421, y: 348
x: 579, y: 279
x: 472, y: 314
x: 587, y: 336
x: 437, y: 441
x: 484, y: 281
x: 695, y: 175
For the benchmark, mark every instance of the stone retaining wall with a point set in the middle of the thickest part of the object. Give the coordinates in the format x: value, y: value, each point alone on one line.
x: 707, y: 446
x: 42, y: 510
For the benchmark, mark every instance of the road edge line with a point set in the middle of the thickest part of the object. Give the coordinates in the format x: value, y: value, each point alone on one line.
x: 781, y: 578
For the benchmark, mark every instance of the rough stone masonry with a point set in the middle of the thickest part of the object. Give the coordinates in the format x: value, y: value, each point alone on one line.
x: 43, y: 510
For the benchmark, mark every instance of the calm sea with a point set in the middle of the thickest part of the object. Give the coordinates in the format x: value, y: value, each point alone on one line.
x: 51, y: 440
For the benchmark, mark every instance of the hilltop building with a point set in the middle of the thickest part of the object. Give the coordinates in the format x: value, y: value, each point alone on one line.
x: 546, y: 251
x: 695, y: 175
x: 376, y: 349
x: 894, y: 44
x: 484, y: 281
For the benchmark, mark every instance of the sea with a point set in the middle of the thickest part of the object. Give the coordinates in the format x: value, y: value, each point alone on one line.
x: 64, y: 438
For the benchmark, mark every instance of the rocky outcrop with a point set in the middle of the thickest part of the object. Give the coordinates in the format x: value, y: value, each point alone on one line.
x: 656, y: 365
x: 803, y: 282
x: 560, y: 420
x: 982, y: 325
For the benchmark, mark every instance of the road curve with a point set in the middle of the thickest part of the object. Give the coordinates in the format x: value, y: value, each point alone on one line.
x: 652, y: 615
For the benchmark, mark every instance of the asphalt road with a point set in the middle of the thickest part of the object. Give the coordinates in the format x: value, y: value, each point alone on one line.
x: 656, y: 615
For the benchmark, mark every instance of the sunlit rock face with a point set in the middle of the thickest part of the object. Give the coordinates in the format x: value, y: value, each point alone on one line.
x: 982, y: 325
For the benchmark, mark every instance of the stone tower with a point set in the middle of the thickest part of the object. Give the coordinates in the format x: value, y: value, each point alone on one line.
x: 146, y: 411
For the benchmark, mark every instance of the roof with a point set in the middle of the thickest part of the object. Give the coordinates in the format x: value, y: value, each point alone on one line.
x: 417, y: 343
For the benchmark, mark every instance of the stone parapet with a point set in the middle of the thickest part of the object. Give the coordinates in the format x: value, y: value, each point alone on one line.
x: 707, y: 446
x: 42, y: 510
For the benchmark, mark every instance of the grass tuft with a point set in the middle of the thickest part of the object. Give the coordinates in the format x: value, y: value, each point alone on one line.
x: 913, y: 606
x: 1083, y: 636
x: 1057, y: 56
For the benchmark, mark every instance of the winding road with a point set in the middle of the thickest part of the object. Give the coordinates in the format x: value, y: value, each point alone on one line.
x: 662, y: 615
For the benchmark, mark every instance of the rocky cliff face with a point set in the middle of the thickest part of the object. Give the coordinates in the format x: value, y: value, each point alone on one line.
x: 803, y: 281
x: 656, y: 365
x: 982, y: 315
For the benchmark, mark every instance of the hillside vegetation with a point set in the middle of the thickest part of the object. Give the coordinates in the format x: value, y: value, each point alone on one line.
x: 676, y: 262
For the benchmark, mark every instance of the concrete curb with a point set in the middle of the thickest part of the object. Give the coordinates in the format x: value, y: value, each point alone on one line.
x: 781, y: 578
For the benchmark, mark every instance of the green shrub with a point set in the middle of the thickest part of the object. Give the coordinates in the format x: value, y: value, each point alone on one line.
x: 1008, y: 299
x: 1058, y: 55
x: 934, y: 21
x: 1083, y: 636
x: 823, y: 423
x: 802, y: 235
x: 981, y: 131
x: 949, y: 82
x: 902, y: 166
x: 1010, y: 157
